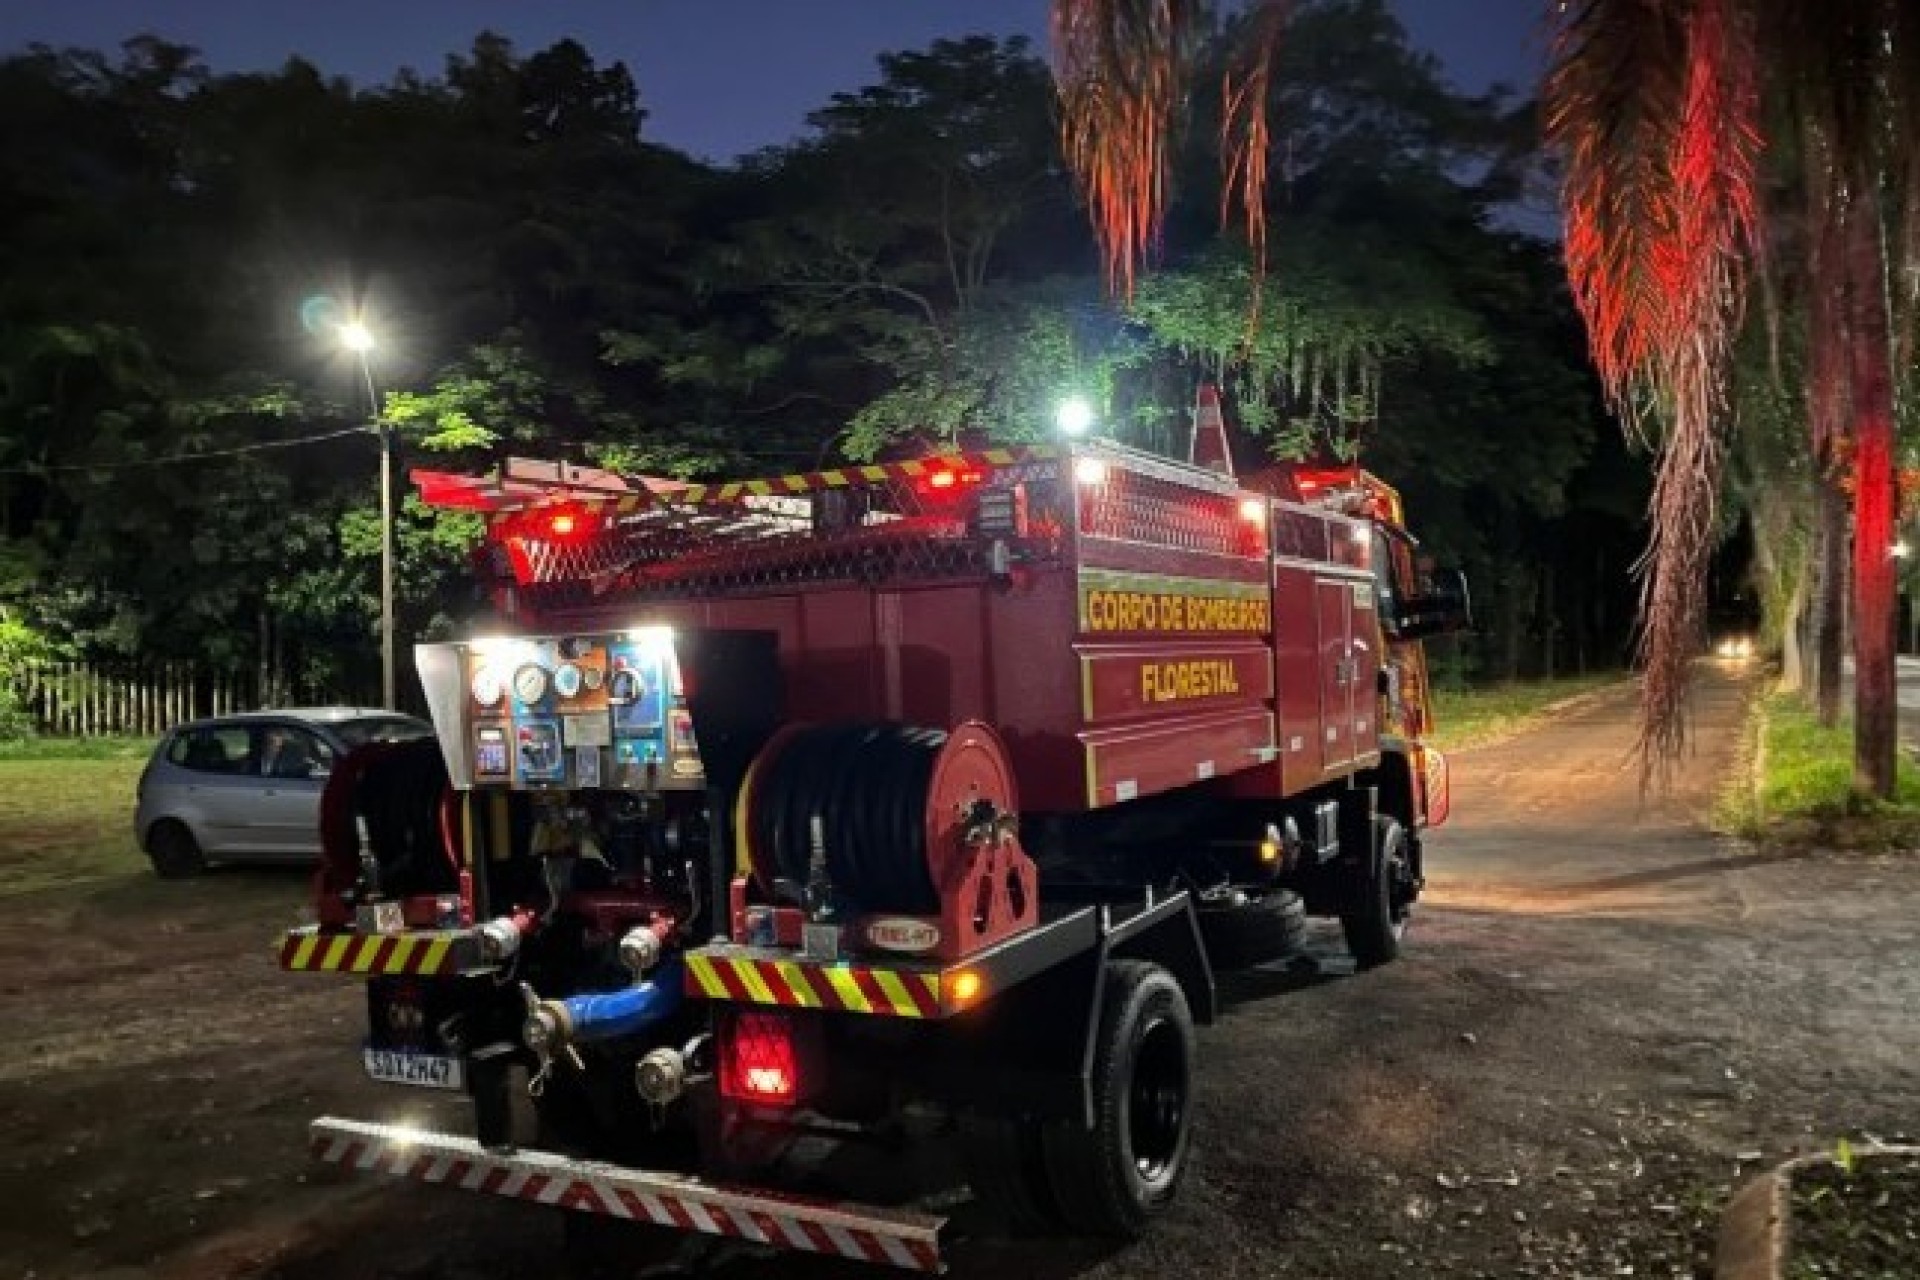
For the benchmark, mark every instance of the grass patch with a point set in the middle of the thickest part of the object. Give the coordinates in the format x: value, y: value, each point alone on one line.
x: 1798, y: 788
x: 64, y: 821
x: 1856, y: 1218
x: 77, y: 749
x: 1472, y: 717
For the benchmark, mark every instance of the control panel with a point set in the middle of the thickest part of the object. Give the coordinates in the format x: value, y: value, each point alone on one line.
x: 592, y: 711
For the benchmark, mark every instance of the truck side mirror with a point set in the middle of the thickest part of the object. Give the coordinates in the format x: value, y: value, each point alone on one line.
x: 1443, y: 604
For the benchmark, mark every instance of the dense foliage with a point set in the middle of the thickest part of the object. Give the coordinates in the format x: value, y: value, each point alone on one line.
x: 914, y: 269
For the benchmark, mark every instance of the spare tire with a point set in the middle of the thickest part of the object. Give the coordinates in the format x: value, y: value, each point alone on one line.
x: 1243, y: 931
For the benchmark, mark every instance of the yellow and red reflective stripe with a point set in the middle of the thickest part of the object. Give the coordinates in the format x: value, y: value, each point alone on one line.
x: 702, y: 972
x: 399, y: 953
x: 797, y: 982
x: 852, y: 988
x: 846, y: 989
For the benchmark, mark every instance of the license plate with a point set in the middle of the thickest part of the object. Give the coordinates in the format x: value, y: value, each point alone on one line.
x: 423, y: 1070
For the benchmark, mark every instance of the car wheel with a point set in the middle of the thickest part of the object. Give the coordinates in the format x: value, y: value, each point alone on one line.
x: 174, y: 851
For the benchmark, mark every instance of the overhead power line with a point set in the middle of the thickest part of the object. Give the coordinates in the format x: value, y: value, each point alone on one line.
x: 175, y: 458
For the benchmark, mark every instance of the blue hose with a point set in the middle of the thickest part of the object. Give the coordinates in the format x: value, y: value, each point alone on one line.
x: 608, y: 1015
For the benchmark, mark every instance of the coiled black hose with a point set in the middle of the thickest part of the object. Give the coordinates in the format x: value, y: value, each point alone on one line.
x: 867, y: 784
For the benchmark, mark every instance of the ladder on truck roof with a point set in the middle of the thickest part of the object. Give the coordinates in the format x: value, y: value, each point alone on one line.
x: 581, y: 534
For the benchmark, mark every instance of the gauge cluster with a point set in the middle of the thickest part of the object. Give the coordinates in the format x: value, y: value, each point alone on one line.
x: 593, y: 711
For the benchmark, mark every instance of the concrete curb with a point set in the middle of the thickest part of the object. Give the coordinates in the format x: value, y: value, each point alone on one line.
x: 1752, y: 1244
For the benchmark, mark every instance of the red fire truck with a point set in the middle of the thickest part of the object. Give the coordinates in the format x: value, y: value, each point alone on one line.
x: 920, y: 801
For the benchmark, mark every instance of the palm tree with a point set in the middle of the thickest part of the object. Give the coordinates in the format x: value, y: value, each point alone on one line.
x: 1664, y: 111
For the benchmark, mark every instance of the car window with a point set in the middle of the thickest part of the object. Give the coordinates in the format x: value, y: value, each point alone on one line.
x: 287, y: 752
x: 211, y: 749
x: 355, y: 733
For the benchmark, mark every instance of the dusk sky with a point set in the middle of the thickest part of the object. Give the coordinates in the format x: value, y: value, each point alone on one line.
x: 718, y: 77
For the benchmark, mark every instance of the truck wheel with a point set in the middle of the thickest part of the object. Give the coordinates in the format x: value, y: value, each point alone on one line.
x: 1241, y: 934
x: 175, y: 853
x: 1109, y: 1180
x: 1008, y: 1174
x: 1376, y: 920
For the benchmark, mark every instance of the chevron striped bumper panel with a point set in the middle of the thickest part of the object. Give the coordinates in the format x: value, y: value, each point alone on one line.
x: 909, y: 1241
x: 422, y: 953
x: 802, y: 984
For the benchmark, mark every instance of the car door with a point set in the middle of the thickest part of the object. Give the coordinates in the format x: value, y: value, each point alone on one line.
x: 290, y: 774
x: 214, y: 776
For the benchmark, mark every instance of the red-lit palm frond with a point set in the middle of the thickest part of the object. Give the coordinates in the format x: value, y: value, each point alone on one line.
x: 1124, y: 69
x: 1653, y: 105
x: 1245, y: 128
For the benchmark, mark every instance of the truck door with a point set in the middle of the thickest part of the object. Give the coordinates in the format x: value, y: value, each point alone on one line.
x: 1363, y: 668
x: 1334, y: 608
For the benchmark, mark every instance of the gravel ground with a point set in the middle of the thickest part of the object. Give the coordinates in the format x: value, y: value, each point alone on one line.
x: 1607, y: 1017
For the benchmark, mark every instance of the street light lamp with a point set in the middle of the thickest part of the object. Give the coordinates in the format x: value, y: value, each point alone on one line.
x: 357, y: 338
x: 1074, y: 416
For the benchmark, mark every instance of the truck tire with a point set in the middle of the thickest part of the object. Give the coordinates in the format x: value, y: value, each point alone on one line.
x: 1110, y: 1180
x: 1240, y: 935
x: 174, y: 852
x: 1376, y: 918
x: 1007, y: 1171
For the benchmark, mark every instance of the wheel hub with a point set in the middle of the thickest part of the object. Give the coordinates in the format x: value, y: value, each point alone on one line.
x: 1157, y: 1102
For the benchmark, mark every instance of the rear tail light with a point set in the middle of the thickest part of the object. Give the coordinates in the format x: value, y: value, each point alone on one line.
x: 758, y: 1060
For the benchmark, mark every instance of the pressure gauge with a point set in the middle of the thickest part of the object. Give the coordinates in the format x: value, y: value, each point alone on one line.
x: 566, y: 681
x: 486, y: 687
x: 592, y: 676
x: 530, y: 683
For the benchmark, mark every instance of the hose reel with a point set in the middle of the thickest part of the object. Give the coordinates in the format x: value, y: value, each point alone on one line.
x: 912, y: 821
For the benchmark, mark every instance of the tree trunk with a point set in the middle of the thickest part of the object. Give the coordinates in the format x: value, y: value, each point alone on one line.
x: 1875, y: 712
x: 263, y: 653
x: 1830, y: 600
x: 1549, y: 622
x: 1793, y: 662
x: 1518, y: 585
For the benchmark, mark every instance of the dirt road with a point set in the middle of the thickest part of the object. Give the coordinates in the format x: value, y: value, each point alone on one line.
x: 1605, y: 1016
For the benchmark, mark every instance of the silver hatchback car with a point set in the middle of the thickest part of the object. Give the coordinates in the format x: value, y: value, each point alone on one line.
x: 247, y: 787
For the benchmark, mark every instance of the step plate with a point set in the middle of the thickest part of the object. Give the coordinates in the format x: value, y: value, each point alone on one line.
x: 887, y: 1237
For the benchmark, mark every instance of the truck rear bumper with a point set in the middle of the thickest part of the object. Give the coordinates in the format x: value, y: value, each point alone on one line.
x: 888, y: 1237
